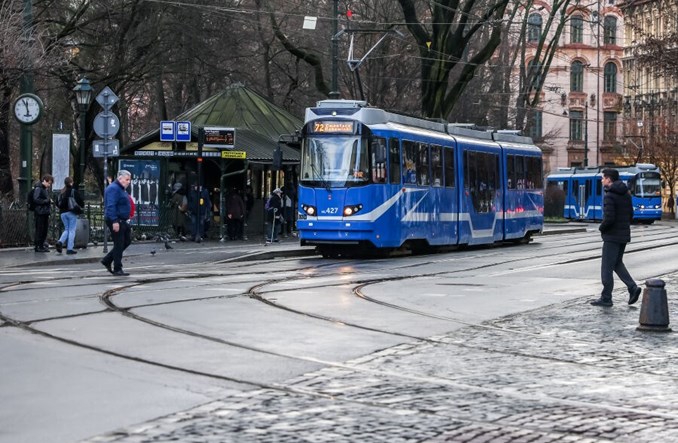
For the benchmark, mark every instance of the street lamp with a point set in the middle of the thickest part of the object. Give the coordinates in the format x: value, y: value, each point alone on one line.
x: 83, y: 95
x: 586, y: 134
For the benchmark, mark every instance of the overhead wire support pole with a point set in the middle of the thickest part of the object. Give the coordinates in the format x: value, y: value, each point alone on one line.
x: 353, y: 63
x: 334, y: 93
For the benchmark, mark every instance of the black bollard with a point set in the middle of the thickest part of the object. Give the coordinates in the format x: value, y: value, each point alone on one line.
x: 654, y: 310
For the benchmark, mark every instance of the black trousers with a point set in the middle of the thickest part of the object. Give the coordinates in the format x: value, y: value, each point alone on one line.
x: 613, y: 261
x: 235, y: 228
x: 41, y: 225
x: 121, y: 240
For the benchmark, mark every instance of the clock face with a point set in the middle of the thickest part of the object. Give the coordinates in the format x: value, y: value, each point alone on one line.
x: 27, y: 109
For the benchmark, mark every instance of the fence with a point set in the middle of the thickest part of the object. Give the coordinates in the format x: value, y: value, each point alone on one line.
x: 17, y: 226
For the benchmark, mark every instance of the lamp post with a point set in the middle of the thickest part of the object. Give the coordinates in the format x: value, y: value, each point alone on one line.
x: 83, y: 95
x: 586, y: 134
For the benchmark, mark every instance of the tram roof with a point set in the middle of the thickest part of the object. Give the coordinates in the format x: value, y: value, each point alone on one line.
x: 597, y: 170
x: 360, y: 110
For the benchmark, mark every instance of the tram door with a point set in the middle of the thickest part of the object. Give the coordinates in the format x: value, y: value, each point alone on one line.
x: 581, y: 190
x: 482, y: 200
x: 580, y: 197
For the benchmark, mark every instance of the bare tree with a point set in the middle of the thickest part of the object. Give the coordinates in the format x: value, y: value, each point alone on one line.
x: 462, y: 36
x: 22, y: 51
x: 535, y: 57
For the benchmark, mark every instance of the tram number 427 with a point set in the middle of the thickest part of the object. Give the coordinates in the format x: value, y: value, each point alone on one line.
x: 330, y: 211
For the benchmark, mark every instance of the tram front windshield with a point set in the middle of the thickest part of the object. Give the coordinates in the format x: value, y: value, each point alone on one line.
x: 334, y: 161
x: 646, y: 186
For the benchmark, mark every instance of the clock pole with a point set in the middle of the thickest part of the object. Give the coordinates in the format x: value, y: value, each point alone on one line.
x: 26, y: 135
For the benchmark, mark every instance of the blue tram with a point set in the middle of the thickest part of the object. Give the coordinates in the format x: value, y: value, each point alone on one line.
x: 583, y: 191
x: 371, y: 179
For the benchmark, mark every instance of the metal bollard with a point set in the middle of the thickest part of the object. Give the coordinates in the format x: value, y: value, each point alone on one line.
x: 654, y: 310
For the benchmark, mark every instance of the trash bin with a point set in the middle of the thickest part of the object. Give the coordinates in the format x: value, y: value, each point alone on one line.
x: 81, y: 233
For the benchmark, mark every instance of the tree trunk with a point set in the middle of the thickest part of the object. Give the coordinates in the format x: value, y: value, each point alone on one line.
x: 6, y: 183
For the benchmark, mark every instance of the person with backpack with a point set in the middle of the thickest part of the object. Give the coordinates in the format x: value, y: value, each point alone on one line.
x: 69, y: 215
x: 179, y: 205
x: 42, y: 206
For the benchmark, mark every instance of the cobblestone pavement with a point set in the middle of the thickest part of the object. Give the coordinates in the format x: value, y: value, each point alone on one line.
x: 568, y: 372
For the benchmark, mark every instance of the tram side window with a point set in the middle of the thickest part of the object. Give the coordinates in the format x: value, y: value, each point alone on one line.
x: 511, y: 171
x: 524, y: 172
x: 534, y: 173
x: 449, y: 168
x: 394, y: 160
x: 378, y: 159
x: 481, y: 179
x: 521, y: 175
x: 410, y: 158
x: 436, y: 165
x: 423, y: 177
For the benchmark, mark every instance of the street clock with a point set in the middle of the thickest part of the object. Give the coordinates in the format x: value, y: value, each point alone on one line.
x: 28, y: 109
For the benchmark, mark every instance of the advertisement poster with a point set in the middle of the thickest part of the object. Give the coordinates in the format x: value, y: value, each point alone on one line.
x: 145, y: 190
x: 61, y: 159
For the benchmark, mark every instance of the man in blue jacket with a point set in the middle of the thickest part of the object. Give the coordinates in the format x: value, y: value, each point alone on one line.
x: 616, y: 232
x: 117, y: 209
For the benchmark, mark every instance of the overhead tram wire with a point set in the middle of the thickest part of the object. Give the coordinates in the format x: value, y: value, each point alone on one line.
x: 215, y: 8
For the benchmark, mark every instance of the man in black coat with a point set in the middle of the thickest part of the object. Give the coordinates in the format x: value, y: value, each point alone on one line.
x: 616, y: 232
x: 43, y: 207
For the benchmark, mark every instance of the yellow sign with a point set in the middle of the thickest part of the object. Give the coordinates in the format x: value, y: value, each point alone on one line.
x: 234, y: 154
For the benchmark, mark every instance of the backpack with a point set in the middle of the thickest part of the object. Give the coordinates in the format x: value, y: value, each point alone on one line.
x: 267, y: 206
x: 30, y: 203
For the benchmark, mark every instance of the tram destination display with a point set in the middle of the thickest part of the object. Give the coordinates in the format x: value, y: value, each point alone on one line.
x: 333, y: 127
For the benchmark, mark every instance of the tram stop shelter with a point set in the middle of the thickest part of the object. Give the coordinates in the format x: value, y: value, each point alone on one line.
x: 259, y: 126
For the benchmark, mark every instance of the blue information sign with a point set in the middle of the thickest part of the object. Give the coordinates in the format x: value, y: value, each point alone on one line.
x: 183, y: 131
x: 167, y: 131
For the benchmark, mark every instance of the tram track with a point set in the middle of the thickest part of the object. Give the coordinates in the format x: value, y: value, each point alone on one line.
x: 316, y: 394
x: 257, y: 291
x: 292, y: 390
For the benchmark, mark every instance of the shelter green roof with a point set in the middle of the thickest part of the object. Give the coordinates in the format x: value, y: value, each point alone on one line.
x: 255, y: 119
x: 242, y: 108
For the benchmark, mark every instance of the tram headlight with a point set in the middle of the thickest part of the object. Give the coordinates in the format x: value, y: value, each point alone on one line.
x: 351, y: 210
x: 308, y: 209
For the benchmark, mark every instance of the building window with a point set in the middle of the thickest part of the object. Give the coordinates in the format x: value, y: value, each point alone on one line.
x: 609, y: 126
x: 610, y: 30
x: 576, y: 29
x: 576, y: 123
x: 577, y: 77
x: 533, y: 74
x: 610, y: 77
x: 534, y: 23
x: 534, y: 125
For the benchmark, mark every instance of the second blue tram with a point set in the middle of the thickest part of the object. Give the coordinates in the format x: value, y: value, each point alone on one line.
x: 371, y: 179
x: 583, y: 191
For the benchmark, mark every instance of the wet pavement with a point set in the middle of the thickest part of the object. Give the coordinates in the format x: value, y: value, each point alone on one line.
x: 253, y: 249
x: 566, y: 372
